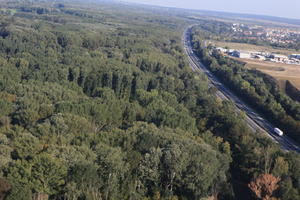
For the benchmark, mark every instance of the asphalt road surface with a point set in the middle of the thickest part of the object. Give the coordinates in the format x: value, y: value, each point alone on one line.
x: 254, y: 120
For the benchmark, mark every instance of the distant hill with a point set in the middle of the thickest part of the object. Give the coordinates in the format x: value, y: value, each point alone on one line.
x: 182, y: 10
x: 222, y: 14
x: 250, y: 16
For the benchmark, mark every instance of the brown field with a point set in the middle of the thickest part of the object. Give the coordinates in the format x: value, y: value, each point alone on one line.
x: 251, y: 47
x: 281, y: 72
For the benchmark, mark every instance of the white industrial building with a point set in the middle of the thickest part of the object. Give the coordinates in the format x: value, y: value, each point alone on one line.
x: 241, y: 54
x: 293, y: 59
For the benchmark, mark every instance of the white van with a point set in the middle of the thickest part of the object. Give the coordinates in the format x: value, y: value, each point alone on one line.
x: 278, y: 131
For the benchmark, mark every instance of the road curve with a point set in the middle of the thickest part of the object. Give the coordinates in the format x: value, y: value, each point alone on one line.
x: 253, y: 120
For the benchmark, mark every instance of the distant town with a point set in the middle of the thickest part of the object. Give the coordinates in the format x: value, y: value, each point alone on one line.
x: 272, y: 35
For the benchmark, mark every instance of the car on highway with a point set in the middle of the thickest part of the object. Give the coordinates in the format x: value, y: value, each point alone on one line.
x: 278, y: 131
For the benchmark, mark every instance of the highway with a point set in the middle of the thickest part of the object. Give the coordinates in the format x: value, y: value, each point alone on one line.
x: 253, y: 119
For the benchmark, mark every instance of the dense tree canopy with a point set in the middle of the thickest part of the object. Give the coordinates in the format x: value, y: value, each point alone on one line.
x: 98, y: 102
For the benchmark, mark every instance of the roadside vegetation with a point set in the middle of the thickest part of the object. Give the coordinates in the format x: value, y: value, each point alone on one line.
x: 257, y: 89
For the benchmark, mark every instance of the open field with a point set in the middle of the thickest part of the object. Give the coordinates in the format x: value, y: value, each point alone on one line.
x: 251, y: 47
x: 281, y: 72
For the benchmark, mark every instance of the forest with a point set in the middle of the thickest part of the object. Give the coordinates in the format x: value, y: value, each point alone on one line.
x: 98, y: 102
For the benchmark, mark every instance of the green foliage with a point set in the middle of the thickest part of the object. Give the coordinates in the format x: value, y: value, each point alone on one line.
x: 19, y: 191
x: 48, y: 174
x: 98, y: 102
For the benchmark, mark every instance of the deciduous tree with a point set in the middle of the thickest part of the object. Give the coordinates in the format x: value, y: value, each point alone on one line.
x: 264, y: 186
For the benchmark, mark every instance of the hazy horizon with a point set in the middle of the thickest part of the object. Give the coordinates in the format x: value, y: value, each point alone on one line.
x: 288, y: 9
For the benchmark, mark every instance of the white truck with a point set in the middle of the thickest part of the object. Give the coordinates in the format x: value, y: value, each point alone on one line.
x: 278, y: 131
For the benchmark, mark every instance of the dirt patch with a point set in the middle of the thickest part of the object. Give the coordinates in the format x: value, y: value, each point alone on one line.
x: 259, y: 67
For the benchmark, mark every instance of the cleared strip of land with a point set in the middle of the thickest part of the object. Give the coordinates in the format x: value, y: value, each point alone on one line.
x: 251, y: 47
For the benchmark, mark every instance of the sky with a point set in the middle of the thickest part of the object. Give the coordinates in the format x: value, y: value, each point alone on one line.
x: 279, y: 8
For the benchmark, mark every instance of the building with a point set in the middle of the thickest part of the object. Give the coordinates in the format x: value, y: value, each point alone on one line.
x: 278, y: 57
x: 241, y: 54
x: 230, y: 51
x: 296, y: 56
x: 223, y: 50
x: 260, y: 57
